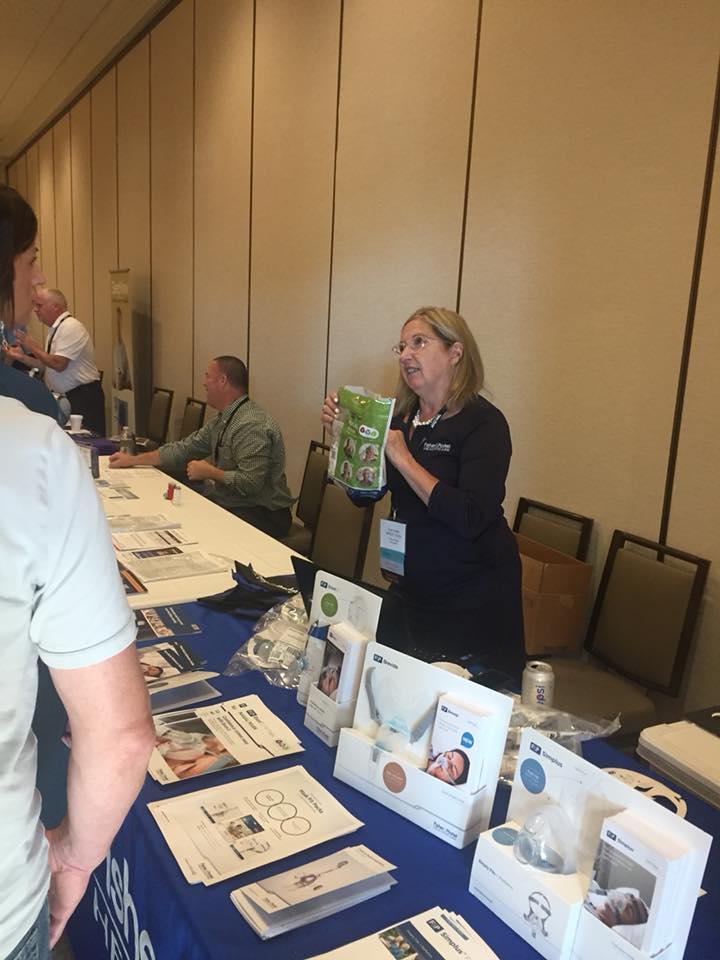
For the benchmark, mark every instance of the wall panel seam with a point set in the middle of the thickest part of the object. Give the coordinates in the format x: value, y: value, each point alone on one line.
x: 691, y: 310
x: 251, y: 187
x: 334, y: 186
x: 468, y: 167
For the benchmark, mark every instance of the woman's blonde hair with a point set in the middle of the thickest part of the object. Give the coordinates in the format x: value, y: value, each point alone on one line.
x: 468, y: 375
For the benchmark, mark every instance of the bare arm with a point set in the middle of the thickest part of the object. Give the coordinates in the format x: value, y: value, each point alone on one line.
x: 149, y: 459
x: 52, y: 360
x: 112, y: 736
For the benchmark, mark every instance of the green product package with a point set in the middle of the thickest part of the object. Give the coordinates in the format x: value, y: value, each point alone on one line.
x: 357, y: 459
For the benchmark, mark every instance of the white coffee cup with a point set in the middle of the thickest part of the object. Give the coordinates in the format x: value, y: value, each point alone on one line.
x: 76, y: 422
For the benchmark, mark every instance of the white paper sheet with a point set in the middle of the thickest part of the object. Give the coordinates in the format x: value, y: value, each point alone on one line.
x: 227, y: 830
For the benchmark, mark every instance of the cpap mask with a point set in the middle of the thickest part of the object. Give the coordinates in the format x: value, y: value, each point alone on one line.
x: 545, y: 840
x: 441, y: 761
x: 401, y: 719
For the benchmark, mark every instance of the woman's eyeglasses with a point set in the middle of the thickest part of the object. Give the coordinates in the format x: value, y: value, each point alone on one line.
x: 418, y: 342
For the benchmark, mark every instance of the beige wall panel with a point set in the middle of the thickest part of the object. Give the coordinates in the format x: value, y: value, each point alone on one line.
x: 296, y: 64
x: 589, y: 148
x: 223, y: 101
x: 695, y: 513
x: 171, y: 124
x: 21, y: 174
x: 32, y: 169
x: 82, y: 215
x: 46, y: 213
x: 17, y: 175
x: 133, y: 127
x: 104, y: 207
x: 65, y: 278
x: 405, y: 98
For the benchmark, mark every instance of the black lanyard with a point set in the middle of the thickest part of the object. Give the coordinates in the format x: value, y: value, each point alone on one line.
x: 229, y: 420
x: 52, y: 335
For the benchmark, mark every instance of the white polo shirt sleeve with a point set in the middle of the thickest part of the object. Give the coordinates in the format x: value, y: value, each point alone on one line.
x: 81, y: 614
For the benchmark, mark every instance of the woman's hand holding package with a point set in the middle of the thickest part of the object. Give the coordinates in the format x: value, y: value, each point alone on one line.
x: 330, y: 410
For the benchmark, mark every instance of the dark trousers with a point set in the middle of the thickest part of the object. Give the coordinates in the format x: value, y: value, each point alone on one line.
x: 89, y: 400
x: 276, y: 523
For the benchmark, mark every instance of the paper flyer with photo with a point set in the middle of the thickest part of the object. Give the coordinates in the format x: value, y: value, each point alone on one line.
x: 151, y: 539
x: 123, y: 523
x: 152, y: 622
x: 230, y: 829
x: 189, y: 743
x: 436, y: 934
x: 176, y: 566
x: 313, y: 890
x: 357, y: 453
x: 167, y: 660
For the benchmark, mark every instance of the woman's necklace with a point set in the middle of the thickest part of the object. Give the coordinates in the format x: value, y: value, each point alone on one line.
x: 417, y: 422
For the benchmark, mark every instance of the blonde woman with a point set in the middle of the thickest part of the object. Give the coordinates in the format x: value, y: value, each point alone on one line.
x: 448, y: 453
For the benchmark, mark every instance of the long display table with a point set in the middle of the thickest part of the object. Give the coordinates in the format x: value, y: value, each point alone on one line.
x: 138, y: 905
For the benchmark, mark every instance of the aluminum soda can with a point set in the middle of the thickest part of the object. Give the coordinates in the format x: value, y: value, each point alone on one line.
x: 538, y: 684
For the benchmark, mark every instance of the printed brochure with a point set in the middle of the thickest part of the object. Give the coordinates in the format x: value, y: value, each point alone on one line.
x: 189, y: 743
x: 230, y: 829
x: 313, y: 890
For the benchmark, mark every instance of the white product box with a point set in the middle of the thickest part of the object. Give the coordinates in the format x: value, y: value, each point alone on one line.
x: 386, y: 751
x: 460, y: 728
x: 331, y: 701
x: 548, y: 777
x: 637, y: 877
x: 335, y: 600
x: 325, y: 718
x: 544, y: 908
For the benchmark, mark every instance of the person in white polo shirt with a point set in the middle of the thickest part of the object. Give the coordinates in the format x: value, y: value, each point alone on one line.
x: 61, y: 601
x: 68, y: 358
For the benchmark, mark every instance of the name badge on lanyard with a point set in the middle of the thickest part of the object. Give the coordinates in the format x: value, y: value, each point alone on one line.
x: 392, y: 549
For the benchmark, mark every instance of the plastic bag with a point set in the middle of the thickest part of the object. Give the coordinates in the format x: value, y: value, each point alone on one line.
x: 567, y: 729
x: 275, y: 646
x: 359, y: 434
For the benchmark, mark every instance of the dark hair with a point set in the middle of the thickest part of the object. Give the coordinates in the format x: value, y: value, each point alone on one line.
x: 18, y: 229
x: 235, y: 370
x: 466, y: 767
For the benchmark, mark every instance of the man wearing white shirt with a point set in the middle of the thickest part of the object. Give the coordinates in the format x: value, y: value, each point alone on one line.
x: 68, y: 359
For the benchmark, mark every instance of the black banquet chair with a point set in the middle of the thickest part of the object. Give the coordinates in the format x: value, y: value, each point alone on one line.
x: 554, y: 527
x: 158, y: 420
x: 639, y: 634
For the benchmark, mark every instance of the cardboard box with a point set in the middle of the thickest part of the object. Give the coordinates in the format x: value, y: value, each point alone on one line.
x: 555, y: 590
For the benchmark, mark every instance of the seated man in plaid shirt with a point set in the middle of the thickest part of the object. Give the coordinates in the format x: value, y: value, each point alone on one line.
x: 239, y: 455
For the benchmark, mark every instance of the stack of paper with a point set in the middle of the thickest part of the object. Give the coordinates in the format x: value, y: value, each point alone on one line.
x: 189, y: 743
x: 151, y: 539
x: 315, y: 890
x: 437, y: 933
x: 227, y: 830
x: 161, y: 566
x: 123, y: 523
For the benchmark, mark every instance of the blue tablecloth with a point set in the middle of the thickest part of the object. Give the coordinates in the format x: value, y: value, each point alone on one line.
x: 138, y: 905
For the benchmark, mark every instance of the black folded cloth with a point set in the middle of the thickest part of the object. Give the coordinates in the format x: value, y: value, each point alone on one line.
x: 252, y: 594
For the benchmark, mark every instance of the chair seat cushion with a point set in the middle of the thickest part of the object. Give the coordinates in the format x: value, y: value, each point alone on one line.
x: 586, y: 690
